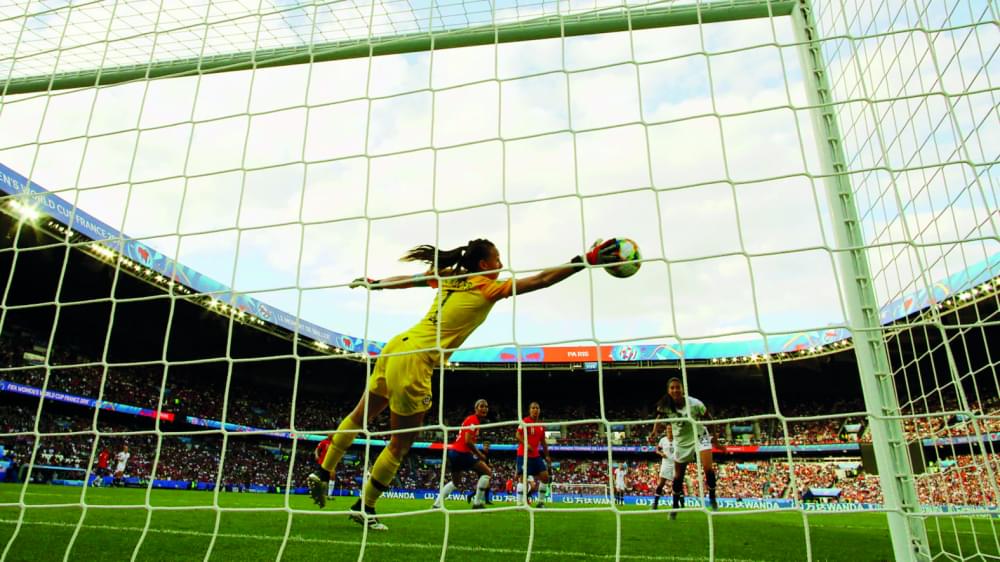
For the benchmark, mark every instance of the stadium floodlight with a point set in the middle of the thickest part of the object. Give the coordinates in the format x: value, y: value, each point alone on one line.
x: 103, y: 251
x: 27, y: 213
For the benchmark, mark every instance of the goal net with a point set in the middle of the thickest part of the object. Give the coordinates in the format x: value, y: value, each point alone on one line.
x: 189, y: 188
x: 568, y: 492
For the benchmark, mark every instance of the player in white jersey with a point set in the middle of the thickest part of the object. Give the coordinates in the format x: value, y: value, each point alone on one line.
x: 692, y: 440
x: 620, y: 473
x: 665, y: 449
x: 121, y: 460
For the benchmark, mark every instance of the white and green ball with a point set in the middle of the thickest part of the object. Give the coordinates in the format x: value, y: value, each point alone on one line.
x: 627, y: 259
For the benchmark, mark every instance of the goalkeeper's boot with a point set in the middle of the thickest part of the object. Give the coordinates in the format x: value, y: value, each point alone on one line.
x: 366, y: 518
x: 478, y: 505
x: 713, y: 504
x: 317, y: 490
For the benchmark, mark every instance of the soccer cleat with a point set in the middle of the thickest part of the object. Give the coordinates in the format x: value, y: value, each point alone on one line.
x: 478, y: 506
x: 713, y: 504
x: 540, y: 505
x: 317, y: 490
x: 370, y: 521
x: 673, y: 515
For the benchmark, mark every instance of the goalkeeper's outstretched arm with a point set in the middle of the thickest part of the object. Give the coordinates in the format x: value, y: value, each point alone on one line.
x: 394, y: 282
x: 600, y: 252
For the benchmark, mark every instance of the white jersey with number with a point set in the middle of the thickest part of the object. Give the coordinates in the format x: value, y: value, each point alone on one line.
x: 689, y: 437
x: 667, y: 464
x: 122, y: 460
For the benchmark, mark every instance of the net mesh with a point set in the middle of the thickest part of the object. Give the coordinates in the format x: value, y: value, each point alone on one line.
x: 282, y: 183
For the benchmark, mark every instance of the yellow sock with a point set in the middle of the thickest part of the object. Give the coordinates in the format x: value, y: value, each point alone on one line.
x: 342, y: 439
x: 383, y: 471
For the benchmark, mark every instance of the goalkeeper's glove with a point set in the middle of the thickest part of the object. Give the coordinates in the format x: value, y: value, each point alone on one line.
x: 603, y: 251
x: 371, y: 284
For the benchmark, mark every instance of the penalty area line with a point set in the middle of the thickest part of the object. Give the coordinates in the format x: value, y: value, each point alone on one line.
x: 416, y: 546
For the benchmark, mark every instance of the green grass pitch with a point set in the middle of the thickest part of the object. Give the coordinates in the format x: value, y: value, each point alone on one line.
x: 183, y: 530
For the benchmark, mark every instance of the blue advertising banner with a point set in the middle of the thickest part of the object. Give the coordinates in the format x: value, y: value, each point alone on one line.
x: 83, y: 401
x: 961, y: 440
x: 429, y: 495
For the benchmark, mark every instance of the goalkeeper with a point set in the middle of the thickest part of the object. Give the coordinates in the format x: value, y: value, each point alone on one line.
x: 466, y: 279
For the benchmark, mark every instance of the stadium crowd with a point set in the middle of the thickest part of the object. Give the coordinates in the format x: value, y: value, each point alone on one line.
x: 67, y: 439
x: 251, y: 460
x: 190, y: 395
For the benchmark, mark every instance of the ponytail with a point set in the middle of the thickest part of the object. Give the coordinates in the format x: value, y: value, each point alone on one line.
x: 458, y: 260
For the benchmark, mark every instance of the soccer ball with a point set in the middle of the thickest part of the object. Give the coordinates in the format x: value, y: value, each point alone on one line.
x: 626, y: 259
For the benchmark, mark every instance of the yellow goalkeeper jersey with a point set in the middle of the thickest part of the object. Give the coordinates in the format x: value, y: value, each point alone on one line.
x: 460, y: 306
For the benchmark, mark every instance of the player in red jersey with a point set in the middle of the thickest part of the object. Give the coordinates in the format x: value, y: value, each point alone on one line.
x: 538, y: 463
x: 102, y: 467
x: 464, y: 455
x: 319, y: 480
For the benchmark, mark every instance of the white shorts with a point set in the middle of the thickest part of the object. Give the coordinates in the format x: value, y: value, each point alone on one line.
x: 687, y: 454
x: 667, y: 469
x: 620, y: 486
x: 120, y: 468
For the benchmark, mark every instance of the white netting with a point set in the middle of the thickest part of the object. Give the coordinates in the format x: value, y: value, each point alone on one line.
x: 577, y: 492
x: 715, y: 144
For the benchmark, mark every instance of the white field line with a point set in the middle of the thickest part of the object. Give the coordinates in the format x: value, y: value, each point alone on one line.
x: 416, y: 546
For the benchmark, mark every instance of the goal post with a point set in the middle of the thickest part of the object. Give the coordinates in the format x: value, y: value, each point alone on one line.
x: 909, y: 537
x: 604, y: 20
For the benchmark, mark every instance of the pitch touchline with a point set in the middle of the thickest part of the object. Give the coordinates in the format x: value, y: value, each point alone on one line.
x: 424, y: 546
